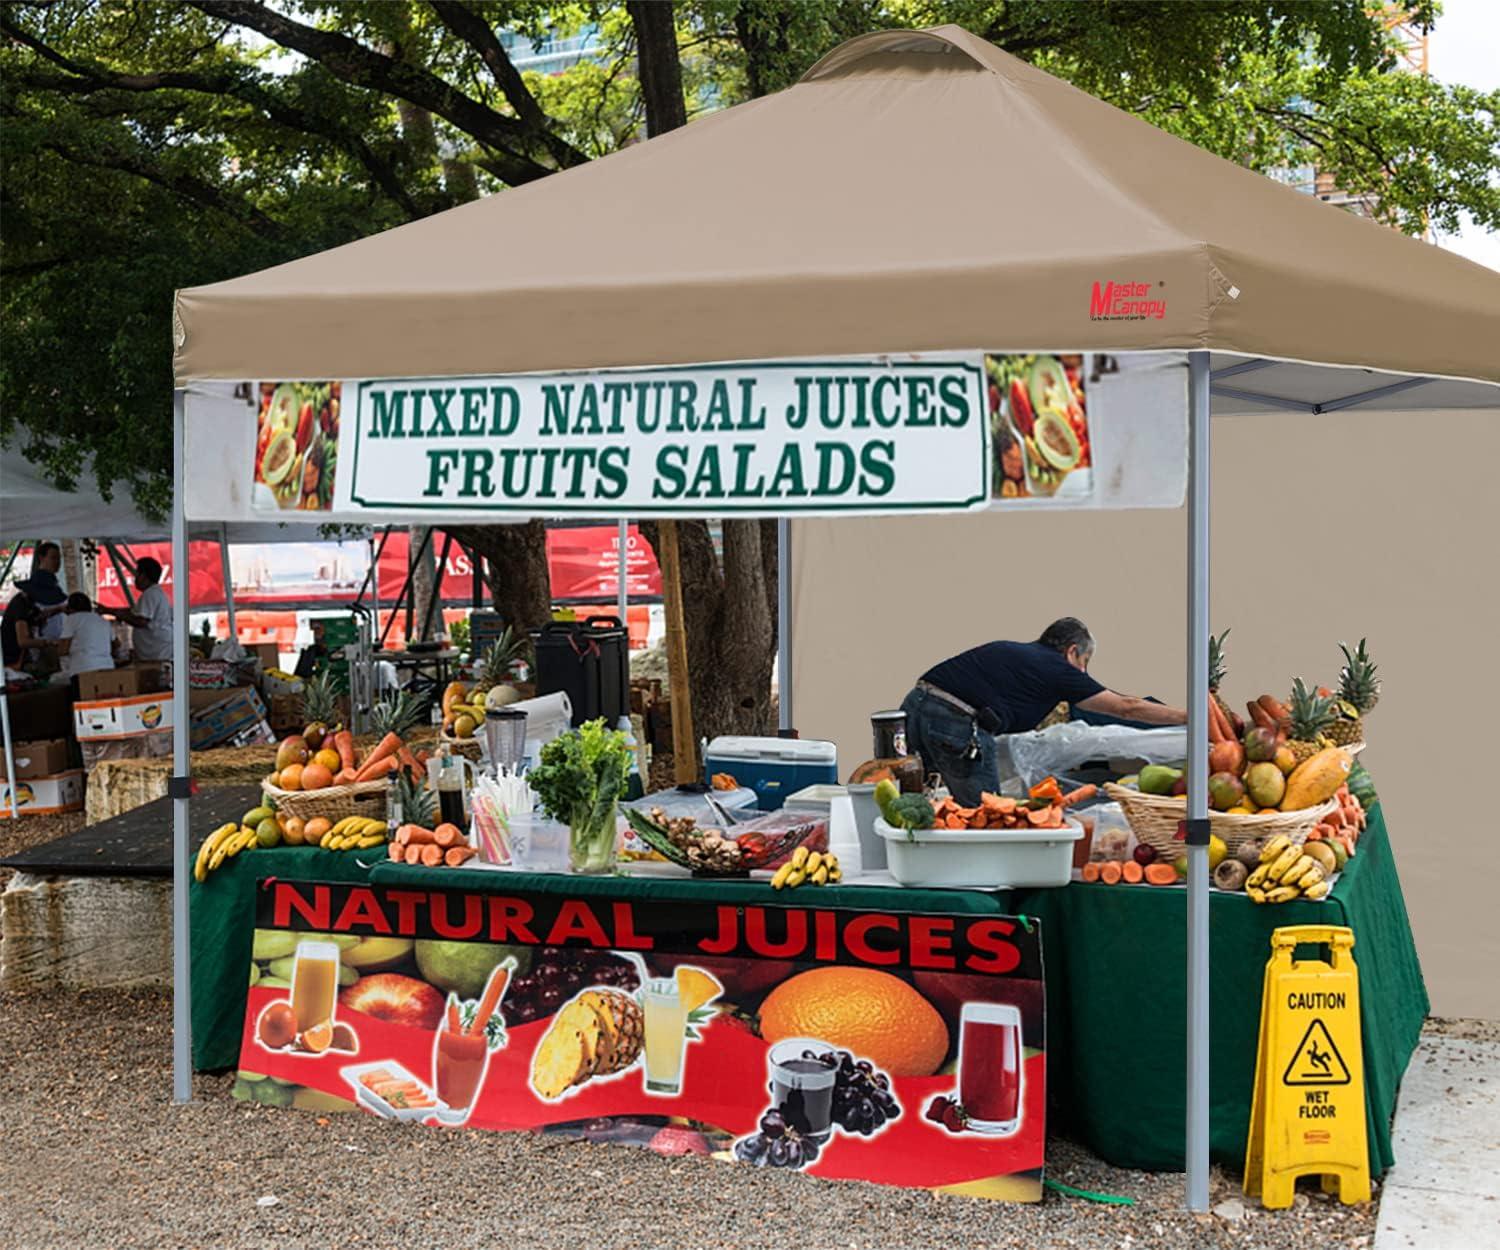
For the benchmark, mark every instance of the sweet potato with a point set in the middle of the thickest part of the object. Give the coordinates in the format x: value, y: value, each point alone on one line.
x: 1160, y: 874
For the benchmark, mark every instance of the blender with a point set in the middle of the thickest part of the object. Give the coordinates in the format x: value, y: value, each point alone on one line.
x: 504, y: 740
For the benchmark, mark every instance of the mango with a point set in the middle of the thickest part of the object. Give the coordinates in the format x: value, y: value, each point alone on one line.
x: 1159, y: 779
x: 1265, y: 784
x: 1225, y: 790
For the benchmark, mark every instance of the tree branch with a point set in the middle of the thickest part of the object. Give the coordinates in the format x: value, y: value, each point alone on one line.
x: 477, y: 33
x: 354, y: 63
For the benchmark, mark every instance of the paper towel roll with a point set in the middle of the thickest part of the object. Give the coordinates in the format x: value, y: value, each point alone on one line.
x: 548, y: 716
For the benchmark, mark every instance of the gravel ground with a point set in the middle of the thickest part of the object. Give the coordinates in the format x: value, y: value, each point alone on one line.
x: 29, y: 831
x: 100, y: 1158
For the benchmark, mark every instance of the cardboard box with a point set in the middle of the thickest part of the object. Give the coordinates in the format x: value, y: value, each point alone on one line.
x: 122, y: 718
x: 123, y: 683
x: 238, y: 713
x: 38, y: 759
x: 268, y: 653
x: 44, y: 796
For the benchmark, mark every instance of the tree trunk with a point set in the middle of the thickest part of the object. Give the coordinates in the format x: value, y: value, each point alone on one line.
x: 425, y: 582
x: 657, y: 64
x: 520, y: 585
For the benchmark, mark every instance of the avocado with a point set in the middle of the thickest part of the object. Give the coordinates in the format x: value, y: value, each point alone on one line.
x: 1159, y: 779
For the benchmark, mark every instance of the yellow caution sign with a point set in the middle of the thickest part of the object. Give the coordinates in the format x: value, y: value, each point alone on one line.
x: 1307, y: 1114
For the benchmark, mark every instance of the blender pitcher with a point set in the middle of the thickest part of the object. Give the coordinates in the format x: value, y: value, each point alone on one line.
x: 504, y: 739
x: 449, y: 776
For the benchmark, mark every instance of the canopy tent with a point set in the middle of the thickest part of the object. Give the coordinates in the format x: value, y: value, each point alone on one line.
x: 916, y: 191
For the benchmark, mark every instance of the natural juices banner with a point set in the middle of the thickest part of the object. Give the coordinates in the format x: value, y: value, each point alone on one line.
x: 901, y: 1048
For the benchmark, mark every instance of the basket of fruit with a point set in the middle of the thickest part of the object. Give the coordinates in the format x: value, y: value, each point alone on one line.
x: 1156, y: 820
x: 730, y: 852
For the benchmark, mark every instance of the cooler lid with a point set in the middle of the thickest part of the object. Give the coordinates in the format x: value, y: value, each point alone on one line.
x: 780, y: 750
x: 819, y: 796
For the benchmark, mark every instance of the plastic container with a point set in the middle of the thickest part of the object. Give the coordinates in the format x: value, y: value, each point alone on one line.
x: 835, y: 803
x: 589, y: 661
x: 981, y: 859
x: 539, y: 843
x: 872, y: 856
x: 681, y: 802
x: 773, y: 767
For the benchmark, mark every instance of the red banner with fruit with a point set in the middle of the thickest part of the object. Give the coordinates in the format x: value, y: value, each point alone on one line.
x: 902, y: 1048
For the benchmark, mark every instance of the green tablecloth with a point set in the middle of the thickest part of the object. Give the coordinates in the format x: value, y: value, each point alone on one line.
x: 1115, y: 960
x: 223, y: 928
x: 1116, y: 1000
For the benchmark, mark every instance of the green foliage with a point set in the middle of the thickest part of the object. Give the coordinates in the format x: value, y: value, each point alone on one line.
x: 582, y: 773
x: 148, y: 146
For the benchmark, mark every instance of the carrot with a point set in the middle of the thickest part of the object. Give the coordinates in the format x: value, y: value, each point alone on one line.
x: 1216, y: 715
x: 453, y: 1023
x: 1215, y: 723
x: 397, y: 852
x: 1132, y: 873
x: 490, y: 999
x: 1160, y: 874
x: 387, y: 747
x: 343, y: 743
x: 1091, y: 871
x: 408, y: 760
x: 1109, y: 872
x: 344, y: 777
x: 415, y: 835
x: 430, y: 856
x: 447, y: 835
x: 456, y: 855
x: 374, y: 770
x: 1080, y: 795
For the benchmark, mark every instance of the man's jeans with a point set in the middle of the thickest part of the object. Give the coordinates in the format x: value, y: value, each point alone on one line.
x: 951, y: 744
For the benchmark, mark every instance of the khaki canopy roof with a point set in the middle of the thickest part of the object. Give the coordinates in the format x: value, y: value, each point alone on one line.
x: 917, y: 190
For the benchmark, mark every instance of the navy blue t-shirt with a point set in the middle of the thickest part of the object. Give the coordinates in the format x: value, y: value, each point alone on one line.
x: 1019, y: 681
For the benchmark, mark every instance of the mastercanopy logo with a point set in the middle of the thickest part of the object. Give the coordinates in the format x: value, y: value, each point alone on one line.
x: 1126, y: 301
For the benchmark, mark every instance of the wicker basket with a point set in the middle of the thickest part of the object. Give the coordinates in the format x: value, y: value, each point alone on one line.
x: 1155, y: 818
x: 362, y: 798
x: 469, y: 748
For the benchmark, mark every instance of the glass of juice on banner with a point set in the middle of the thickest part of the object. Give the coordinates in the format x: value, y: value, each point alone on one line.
x: 458, y: 1065
x: 666, y: 1036
x: 989, y: 1066
x: 315, y: 983
x: 803, y: 1074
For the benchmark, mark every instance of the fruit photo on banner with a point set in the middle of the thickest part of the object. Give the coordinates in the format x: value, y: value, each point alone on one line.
x: 1039, y: 426
x: 933, y: 1079
x: 296, y: 446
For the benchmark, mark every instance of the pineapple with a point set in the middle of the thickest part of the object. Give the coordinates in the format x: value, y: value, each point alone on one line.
x: 396, y: 715
x: 411, y: 802
x: 624, y: 1026
x: 320, y: 701
x: 1311, y: 715
x: 1359, y: 692
x: 1216, y: 671
x: 495, y: 667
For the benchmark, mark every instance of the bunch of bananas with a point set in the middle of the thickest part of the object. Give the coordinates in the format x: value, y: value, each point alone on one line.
x: 223, y: 843
x: 807, y: 867
x: 1285, y: 872
x: 354, y: 833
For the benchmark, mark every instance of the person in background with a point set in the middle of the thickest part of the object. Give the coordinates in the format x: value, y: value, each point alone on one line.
x: 19, y: 629
x: 957, y: 707
x: 151, y: 617
x: 87, y: 640
x: 45, y: 590
x: 312, y: 657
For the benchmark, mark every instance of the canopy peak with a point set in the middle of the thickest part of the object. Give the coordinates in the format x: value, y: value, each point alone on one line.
x: 966, y: 52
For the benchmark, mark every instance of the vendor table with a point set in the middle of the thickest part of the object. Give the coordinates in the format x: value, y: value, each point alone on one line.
x: 1114, y: 991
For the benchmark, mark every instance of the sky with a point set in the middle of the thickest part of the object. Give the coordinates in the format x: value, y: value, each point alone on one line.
x: 1465, y: 48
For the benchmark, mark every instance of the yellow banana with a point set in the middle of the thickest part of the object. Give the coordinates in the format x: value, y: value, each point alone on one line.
x: 811, y: 864
x: 1318, y: 889
x: 236, y: 845
x: 799, y: 857
x: 369, y: 840
x: 211, y: 844
x: 778, y: 880
x: 1257, y: 878
x: 328, y: 837
x: 343, y: 825
x: 836, y: 876
x: 1282, y: 894
x: 1294, y: 874
x: 1283, y: 863
x: 830, y: 861
x: 1274, y: 848
x: 795, y: 878
x: 819, y: 875
x: 1257, y: 895
x: 216, y: 858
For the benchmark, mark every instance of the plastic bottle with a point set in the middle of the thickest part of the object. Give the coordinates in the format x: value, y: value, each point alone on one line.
x: 634, y: 789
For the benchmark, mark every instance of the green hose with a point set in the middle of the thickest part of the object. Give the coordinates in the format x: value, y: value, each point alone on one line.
x: 1113, y: 1200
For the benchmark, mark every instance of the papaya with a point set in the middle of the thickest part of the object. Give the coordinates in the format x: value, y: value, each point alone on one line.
x: 1317, y: 779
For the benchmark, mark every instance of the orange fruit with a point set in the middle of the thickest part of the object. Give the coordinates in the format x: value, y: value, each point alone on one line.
x: 315, y: 777
x: 319, y: 1038
x: 329, y: 759
x: 695, y: 987
x: 293, y: 831
x: 291, y: 777
x: 316, y: 828
x: 873, y: 1014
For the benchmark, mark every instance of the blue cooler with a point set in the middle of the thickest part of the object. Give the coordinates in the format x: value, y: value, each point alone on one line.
x: 773, y: 767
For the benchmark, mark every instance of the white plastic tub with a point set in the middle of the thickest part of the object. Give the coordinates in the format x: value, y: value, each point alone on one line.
x: 981, y: 859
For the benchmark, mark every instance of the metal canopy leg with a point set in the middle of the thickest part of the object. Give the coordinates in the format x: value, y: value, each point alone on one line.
x: 234, y: 628
x: 784, y: 624
x: 622, y: 593
x: 182, y: 986
x: 1197, y: 775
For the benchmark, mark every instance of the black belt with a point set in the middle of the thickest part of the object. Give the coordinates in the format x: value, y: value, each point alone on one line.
x: 937, y: 692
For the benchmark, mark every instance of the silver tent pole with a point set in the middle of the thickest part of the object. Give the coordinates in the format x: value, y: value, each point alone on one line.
x: 1197, y: 778
x: 182, y: 989
x: 234, y: 628
x: 622, y: 596
x: 784, y: 621
x: 10, y: 758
